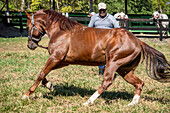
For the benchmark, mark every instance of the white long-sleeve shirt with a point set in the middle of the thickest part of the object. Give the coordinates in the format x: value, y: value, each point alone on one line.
x: 107, y: 22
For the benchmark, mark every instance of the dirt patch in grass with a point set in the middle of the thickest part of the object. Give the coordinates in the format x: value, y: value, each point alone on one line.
x: 10, y: 31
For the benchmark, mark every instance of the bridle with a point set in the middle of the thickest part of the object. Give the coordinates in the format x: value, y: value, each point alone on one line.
x: 156, y: 16
x: 32, y: 30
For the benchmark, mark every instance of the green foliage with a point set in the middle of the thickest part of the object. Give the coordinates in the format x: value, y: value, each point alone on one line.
x: 66, y: 9
x: 83, y: 6
x: 35, y: 5
x: 74, y: 6
x: 140, y: 7
x: 12, y: 6
x: 115, y: 6
x: 162, y: 5
x: 39, y: 4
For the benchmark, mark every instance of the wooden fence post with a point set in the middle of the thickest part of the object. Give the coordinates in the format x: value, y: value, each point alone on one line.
x: 21, y: 24
x: 127, y: 24
x: 161, y: 29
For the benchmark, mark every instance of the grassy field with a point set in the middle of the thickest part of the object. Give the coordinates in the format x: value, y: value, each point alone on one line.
x: 73, y: 85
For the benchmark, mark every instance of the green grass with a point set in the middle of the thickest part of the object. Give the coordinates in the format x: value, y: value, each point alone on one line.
x: 73, y: 85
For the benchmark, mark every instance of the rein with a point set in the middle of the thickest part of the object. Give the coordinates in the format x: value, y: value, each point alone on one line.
x: 42, y: 46
x: 32, y: 30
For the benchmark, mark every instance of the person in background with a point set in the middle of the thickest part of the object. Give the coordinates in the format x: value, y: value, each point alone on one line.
x: 103, y: 20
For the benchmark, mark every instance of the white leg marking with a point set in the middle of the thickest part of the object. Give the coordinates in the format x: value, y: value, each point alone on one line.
x: 135, y: 100
x: 92, y: 98
x: 24, y: 97
x: 49, y: 86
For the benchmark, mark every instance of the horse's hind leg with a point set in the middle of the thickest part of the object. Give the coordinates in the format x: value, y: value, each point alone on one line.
x: 127, y: 72
x: 167, y: 30
x: 137, y: 83
x: 107, y: 81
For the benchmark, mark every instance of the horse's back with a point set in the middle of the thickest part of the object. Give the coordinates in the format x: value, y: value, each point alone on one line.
x: 164, y: 16
x: 88, y: 45
x: 91, y: 44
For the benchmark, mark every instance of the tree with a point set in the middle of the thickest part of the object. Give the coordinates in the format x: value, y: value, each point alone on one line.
x: 162, y: 5
x: 78, y: 6
x: 140, y: 6
x: 115, y: 6
x: 83, y: 6
x: 39, y: 4
x: 22, y: 5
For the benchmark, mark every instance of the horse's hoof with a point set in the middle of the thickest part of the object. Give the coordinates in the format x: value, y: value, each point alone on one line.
x: 132, y: 104
x: 85, y: 104
x: 24, y: 97
x: 88, y: 103
x: 134, y: 101
x: 49, y: 86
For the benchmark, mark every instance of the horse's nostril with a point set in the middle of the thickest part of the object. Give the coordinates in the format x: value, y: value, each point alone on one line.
x: 28, y: 46
x: 32, y: 48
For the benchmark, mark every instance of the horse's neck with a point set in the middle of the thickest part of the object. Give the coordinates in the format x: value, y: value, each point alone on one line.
x: 52, y: 29
x: 55, y: 32
x: 160, y: 16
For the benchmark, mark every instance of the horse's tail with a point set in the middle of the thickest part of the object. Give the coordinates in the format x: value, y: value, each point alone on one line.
x: 157, y: 66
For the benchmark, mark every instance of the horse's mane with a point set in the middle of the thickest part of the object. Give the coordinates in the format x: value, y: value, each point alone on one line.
x: 64, y: 22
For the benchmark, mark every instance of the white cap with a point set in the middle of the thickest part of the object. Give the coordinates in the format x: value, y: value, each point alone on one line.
x: 101, y: 6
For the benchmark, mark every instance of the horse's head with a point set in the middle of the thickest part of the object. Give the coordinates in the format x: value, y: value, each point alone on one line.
x: 35, y: 29
x: 155, y: 15
x: 123, y: 15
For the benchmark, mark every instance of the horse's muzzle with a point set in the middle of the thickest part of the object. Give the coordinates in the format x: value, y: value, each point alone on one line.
x: 31, y: 45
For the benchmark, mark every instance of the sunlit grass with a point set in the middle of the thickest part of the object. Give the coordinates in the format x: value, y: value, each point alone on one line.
x: 73, y: 85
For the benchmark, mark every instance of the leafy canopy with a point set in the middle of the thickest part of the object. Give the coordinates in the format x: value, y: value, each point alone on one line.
x: 83, y: 6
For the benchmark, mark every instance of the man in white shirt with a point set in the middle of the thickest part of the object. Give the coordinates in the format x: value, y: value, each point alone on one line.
x: 103, y: 20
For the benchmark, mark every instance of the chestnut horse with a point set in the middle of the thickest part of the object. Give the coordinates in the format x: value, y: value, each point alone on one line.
x: 74, y: 43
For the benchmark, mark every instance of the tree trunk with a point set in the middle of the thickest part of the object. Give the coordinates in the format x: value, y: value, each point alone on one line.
x: 58, y: 9
x: 22, y: 5
x: 28, y: 5
x: 159, y: 5
x: 91, y: 6
x: 50, y: 4
x: 53, y: 4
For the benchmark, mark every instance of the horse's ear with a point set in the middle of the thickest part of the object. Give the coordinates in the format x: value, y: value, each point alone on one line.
x: 28, y: 16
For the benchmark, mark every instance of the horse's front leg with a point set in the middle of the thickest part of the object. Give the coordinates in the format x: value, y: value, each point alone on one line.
x: 51, y: 63
x: 48, y: 84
